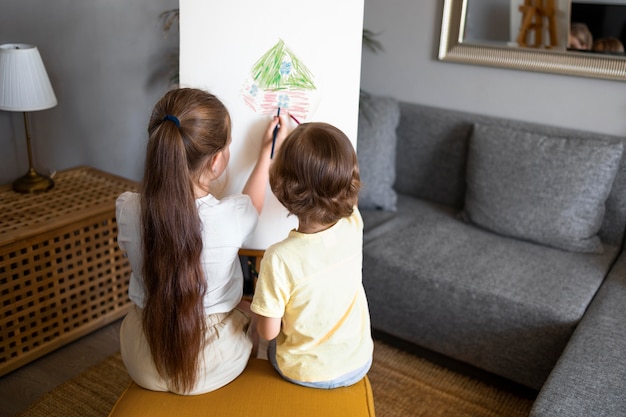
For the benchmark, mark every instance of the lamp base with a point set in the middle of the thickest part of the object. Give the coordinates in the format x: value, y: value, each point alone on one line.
x: 32, y: 182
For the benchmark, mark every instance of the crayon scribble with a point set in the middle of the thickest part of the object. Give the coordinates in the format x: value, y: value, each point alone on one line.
x: 279, y: 79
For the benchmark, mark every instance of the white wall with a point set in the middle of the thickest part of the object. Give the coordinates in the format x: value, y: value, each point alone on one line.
x: 409, y: 70
x: 105, y: 61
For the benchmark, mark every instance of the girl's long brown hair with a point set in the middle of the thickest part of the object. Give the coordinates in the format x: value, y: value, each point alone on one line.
x: 187, y: 128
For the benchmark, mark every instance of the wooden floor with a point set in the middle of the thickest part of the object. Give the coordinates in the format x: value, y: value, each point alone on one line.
x: 21, y: 387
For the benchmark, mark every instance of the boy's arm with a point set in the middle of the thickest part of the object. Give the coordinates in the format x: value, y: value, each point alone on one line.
x: 268, y: 327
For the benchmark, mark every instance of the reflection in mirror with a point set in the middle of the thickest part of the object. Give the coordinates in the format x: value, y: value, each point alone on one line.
x: 487, y: 21
x: 606, y: 22
x: 547, y: 24
x: 535, y: 23
x: 489, y: 32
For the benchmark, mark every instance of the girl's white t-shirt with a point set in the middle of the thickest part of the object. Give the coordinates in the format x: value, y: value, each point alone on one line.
x: 227, y: 224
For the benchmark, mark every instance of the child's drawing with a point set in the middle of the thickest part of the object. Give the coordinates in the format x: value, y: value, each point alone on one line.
x: 279, y: 79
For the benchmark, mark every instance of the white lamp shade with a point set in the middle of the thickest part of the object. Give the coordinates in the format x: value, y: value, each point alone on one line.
x: 24, y: 82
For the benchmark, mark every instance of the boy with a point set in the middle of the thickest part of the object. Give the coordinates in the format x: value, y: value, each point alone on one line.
x: 309, y: 296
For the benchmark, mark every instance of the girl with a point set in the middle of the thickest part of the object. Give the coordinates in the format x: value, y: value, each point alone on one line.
x: 185, y: 333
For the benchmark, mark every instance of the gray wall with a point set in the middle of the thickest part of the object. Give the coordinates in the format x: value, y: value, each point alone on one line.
x: 102, y: 57
x: 106, y: 61
x: 409, y: 70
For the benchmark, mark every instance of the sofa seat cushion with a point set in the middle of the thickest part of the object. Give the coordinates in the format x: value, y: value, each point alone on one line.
x: 504, y: 305
x: 590, y: 378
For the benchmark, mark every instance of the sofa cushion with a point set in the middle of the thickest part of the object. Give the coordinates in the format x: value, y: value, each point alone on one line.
x: 376, y: 151
x: 589, y: 378
x: 546, y: 189
x: 431, y: 153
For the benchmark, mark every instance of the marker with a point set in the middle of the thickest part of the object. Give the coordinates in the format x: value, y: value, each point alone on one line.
x: 275, y: 132
x: 294, y: 119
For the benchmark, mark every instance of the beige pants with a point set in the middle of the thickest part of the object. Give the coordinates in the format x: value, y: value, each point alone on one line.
x: 225, y: 356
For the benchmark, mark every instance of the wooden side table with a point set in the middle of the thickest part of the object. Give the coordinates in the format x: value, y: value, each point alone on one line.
x: 62, y: 274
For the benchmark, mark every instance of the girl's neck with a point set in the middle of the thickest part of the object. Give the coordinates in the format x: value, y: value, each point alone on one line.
x: 200, y: 192
x: 201, y: 189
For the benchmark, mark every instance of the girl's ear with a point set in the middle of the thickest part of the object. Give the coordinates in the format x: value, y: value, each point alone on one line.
x: 215, y: 163
x: 218, y: 163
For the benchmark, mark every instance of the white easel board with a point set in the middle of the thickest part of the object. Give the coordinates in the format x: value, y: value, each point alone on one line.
x: 259, y: 55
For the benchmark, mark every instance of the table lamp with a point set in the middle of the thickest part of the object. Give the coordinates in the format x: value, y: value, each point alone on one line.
x: 25, y: 87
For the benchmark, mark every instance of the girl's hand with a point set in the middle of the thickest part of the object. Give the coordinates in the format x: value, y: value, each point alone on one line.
x: 257, y: 182
x: 280, y: 124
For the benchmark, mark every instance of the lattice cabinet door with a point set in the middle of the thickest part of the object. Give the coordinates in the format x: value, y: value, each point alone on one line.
x: 62, y: 274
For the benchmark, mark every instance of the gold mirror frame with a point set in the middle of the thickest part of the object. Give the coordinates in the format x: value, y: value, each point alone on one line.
x: 558, y: 62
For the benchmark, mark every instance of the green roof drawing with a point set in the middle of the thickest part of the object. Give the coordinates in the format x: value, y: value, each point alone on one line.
x: 280, y: 69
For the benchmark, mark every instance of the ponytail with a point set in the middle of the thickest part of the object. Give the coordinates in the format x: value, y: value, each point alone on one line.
x: 180, y: 143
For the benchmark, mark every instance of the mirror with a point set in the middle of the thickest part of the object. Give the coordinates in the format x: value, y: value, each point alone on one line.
x: 474, y: 42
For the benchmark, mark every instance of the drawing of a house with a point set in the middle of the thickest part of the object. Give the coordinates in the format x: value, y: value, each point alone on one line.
x: 279, y: 79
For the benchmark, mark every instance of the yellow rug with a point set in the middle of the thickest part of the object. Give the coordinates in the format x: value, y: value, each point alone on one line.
x: 403, y: 384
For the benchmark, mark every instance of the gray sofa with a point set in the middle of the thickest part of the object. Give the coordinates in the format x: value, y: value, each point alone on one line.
x: 500, y: 244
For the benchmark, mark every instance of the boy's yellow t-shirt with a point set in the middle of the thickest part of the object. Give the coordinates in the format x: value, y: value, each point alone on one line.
x: 313, y: 281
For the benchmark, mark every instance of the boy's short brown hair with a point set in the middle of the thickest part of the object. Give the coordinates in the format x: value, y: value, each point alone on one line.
x: 315, y: 174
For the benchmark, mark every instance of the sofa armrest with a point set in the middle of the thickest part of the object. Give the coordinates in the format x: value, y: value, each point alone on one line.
x: 589, y: 380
